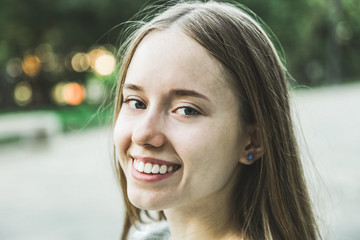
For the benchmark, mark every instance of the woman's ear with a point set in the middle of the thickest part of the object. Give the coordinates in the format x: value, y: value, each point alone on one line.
x: 253, y: 149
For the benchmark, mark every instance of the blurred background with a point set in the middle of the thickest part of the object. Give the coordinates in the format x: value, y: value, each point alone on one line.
x: 57, y: 69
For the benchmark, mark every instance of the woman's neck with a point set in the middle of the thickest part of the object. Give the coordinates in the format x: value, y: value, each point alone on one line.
x: 191, y: 228
x: 208, y: 218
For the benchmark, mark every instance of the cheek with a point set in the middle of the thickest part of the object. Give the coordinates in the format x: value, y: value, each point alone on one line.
x: 209, y: 147
x: 122, y: 137
x: 210, y: 160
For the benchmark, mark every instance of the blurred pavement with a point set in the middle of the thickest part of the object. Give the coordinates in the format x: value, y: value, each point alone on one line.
x: 64, y: 187
x: 330, y: 122
x: 61, y: 188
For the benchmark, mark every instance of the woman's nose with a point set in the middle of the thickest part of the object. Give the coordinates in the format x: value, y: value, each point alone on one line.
x: 149, y: 131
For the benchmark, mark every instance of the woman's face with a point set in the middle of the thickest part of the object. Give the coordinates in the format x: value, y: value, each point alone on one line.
x: 178, y: 135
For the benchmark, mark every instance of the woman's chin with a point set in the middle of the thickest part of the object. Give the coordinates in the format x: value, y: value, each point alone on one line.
x: 148, y: 202
x: 146, y: 205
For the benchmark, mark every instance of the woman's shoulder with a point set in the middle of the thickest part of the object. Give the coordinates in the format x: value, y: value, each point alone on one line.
x: 151, y: 231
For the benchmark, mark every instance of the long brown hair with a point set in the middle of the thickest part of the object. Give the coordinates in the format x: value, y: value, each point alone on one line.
x: 271, y: 199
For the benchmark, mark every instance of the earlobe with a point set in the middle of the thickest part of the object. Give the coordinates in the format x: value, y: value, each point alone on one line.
x: 251, y: 155
x: 253, y: 147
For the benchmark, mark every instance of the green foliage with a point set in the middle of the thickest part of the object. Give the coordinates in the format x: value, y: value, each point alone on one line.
x: 82, y: 117
x: 320, y: 38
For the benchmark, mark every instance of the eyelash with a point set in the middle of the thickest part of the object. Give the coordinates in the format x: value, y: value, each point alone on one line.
x: 128, y: 102
x: 196, y: 112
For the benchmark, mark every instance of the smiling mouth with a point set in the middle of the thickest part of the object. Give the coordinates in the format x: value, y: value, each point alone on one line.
x: 154, y: 168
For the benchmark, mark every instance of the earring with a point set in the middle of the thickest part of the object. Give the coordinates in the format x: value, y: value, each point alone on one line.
x: 250, y: 157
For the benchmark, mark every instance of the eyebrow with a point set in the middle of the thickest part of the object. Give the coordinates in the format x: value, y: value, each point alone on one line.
x: 187, y: 93
x: 132, y: 87
x: 173, y: 92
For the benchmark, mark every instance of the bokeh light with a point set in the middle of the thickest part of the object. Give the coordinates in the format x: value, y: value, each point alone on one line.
x: 31, y: 65
x: 102, y: 61
x: 14, y: 67
x: 73, y: 93
x: 68, y: 93
x: 95, y: 91
x: 94, y: 54
x: 80, y: 62
x: 53, y: 64
x: 49, y: 60
x: 57, y: 93
x: 44, y: 52
x: 105, y: 64
x: 23, y: 93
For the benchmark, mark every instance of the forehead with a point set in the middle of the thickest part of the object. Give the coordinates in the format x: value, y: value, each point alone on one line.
x: 170, y: 58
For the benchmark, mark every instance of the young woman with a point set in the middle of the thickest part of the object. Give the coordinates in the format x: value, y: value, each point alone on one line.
x: 203, y: 132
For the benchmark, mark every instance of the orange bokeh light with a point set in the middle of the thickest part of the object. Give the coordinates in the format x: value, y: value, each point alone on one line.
x: 31, y: 65
x: 74, y: 93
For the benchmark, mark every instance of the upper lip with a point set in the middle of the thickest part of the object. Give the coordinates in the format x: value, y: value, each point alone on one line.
x: 153, y: 160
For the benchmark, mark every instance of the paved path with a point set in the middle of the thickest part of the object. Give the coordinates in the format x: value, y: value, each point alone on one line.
x: 59, y: 190
x: 64, y: 188
x: 330, y: 119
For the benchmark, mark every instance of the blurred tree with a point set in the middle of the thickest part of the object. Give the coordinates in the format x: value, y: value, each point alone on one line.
x: 321, y: 38
x: 301, y: 29
x: 67, y: 26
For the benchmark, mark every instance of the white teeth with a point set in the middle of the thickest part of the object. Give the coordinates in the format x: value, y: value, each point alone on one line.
x: 148, y: 168
x: 141, y: 167
x: 163, y: 169
x: 155, y: 169
x: 152, y: 168
x: 136, y: 163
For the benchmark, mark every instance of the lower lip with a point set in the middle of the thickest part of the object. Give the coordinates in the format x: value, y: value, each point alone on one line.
x: 144, y: 177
